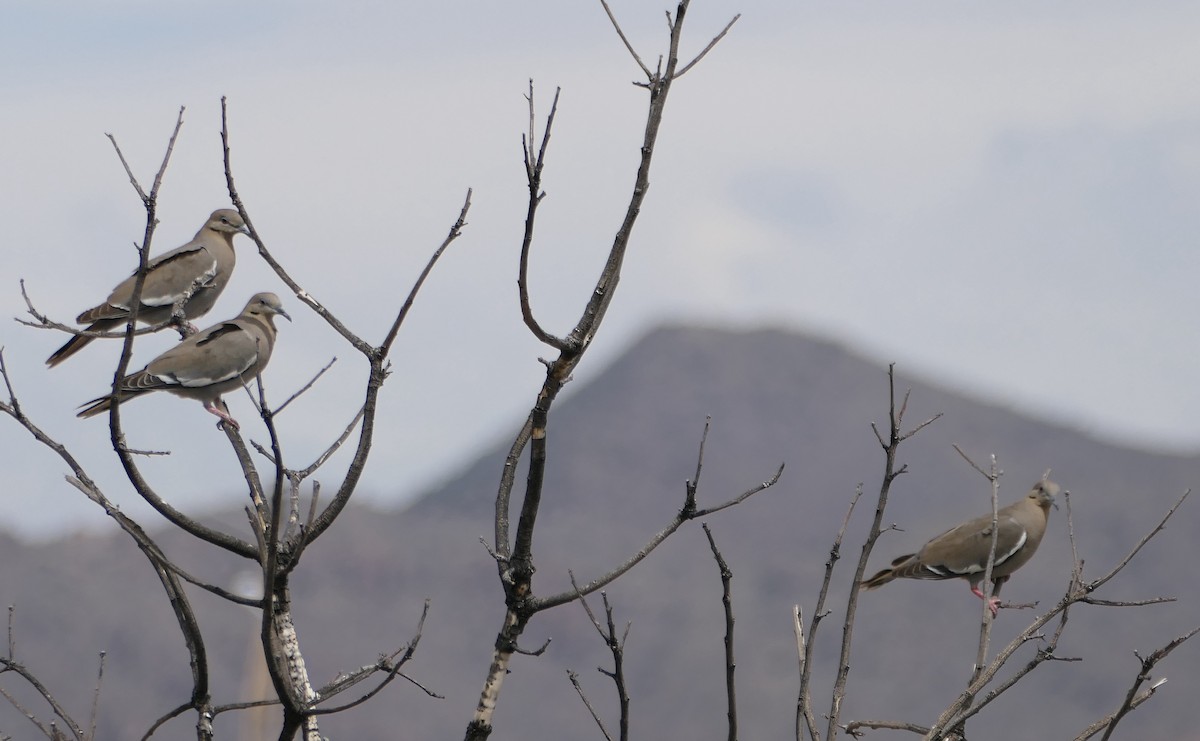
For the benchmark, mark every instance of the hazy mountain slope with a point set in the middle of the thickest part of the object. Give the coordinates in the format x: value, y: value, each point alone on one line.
x: 621, y: 449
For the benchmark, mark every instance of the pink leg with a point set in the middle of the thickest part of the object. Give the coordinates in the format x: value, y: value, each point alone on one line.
x: 993, y: 603
x: 212, y: 408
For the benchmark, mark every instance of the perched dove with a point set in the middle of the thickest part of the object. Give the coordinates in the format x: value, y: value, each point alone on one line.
x: 209, y: 363
x: 203, y: 266
x: 962, y: 552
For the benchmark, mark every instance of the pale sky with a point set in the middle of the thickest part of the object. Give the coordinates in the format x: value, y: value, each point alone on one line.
x: 1002, y: 198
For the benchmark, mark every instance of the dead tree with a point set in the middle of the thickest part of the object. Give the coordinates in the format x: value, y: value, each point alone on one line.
x: 283, y: 520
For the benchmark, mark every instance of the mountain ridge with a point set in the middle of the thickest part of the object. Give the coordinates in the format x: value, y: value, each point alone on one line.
x: 620, y: 449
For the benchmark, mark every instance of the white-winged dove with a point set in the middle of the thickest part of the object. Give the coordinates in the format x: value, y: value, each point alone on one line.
x: 218, y: 359
x: 202, y: 266
x: 962, y: 552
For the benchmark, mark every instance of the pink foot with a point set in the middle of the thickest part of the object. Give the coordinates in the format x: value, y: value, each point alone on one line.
x: 993, y: 603
x: 212, y: 408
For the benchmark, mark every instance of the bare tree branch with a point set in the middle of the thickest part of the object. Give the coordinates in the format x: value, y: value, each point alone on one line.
x: 455, y: 233
x: 357, y: 342
x: 616, y: 647
x: 715, y: 40
x: 730, y: 665
x: 1144, y: 676
x: 8, y: 665
x: 304, y: 388
x: 579, y: 689
x: 516, y: 566
x: 890, y: 472
x: 804, y: 706
x: 632, y: 52
x: 545, y: 603
x: 388, y: 664
x: 533, y: 176
x: 855, y: 728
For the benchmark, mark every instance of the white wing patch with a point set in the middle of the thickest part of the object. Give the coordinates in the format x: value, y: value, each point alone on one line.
x: 201, y: 373
x: 1000, y: 557
x: 173, y: 379
x: 168, y: 299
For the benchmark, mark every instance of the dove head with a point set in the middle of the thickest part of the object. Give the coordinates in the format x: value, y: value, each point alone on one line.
x: 227, y: 221
x: 1043, y: 493
x: 265, y: 304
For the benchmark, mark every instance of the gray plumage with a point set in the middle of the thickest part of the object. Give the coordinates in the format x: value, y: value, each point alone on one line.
x: 962, y: 552
x: 209, y: 363
x: 203, y: 266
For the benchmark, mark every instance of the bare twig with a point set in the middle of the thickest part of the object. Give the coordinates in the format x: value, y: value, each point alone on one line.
x: 357, y: 342
x: 579, y: 689
x: 164, y: 718
x: 1096, y: 584
x: 300, y: 540
x: 389, y: 664
x: 148, y: 198
x: 304, y: 388
x: 855, y: 728
x: 656, y: 540
x: 96, y: 697
x: 1144, y: 676
x: 616, y: 646
x: 730, y: 665
x: 891, y: 472
x: 804, y: 708
x: 715, y: 40
x: 455, y: 233
x: 303, y: 473
x: 624, y: 40
x: 533, y: 176
x: 378, y: 373
x: 804, y: 713
x: 8, y: 665
x: 167, y: 572
x: 985, y: 620
x: 42, y: 321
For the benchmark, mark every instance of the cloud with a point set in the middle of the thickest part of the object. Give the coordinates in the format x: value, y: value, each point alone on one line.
x: 911, y: 179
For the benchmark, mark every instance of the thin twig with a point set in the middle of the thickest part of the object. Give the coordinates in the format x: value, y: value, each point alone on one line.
x: 304, y: 388
x: 455, y: 233
x: 656, y: 540
x: 392, y: 669
x: 715, y: 40
x: 891, y: 471
x: 169, y: 715
x: 985, y: 619
x: 624, y: 40
x: 59, y: 711
x: 853, y: 728
x: 579, y: 689
x: 96, y: 697
x: 533, y: 178
x: 1144, y: 676
x: 616, y: 647
x: 804, y: 708
x: 730, y: 664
